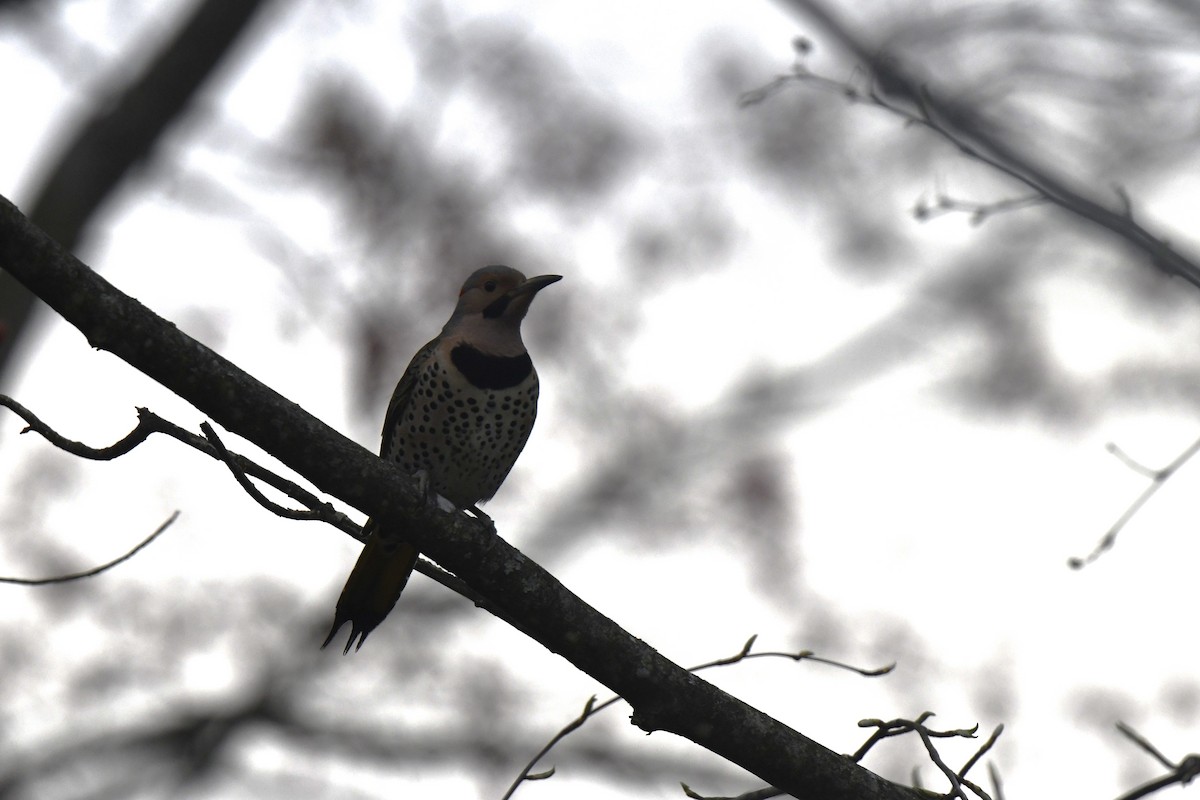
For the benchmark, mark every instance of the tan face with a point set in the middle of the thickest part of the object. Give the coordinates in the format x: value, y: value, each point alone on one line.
x: 499, y: 294
x: 491, y: 305
x: 486, y: 286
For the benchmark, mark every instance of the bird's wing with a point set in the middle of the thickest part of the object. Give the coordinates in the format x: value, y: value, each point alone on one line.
x: 403, y: 394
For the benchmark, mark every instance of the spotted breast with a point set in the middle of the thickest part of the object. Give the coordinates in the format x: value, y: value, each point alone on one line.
x: 466, y: 422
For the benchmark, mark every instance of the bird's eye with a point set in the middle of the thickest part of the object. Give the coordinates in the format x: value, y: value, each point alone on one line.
x: 490, y: 286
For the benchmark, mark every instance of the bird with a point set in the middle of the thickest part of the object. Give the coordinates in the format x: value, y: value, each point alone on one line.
x: 457, y: 422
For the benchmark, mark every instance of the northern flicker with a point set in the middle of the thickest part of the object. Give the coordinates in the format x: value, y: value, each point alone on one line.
x: 458, y: 419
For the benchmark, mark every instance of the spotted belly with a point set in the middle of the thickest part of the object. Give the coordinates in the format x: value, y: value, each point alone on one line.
x: 465, y: 438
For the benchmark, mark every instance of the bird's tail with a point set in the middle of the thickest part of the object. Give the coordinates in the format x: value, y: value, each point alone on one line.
x: 373, y: 587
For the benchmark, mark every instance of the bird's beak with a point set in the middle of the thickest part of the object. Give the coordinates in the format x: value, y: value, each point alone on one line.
x: 534, y: 285
x: 513, y: 304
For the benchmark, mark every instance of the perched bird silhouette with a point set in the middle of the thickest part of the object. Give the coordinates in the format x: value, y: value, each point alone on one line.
x: 458, y: 419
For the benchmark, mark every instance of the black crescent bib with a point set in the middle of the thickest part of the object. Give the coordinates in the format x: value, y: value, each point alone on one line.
x: 490, y: 372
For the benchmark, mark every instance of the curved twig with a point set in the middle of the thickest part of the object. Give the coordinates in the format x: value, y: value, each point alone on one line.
x: 75, y: 576
x: 240, y: 476
x: 33, y: 423
x: 150, y: 423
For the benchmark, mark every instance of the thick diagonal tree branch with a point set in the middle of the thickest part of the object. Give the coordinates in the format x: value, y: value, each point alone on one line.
x: 664, y: 696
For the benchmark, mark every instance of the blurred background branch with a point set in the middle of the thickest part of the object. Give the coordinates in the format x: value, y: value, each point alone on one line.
x: 123, y: 131
x: 894, y: 87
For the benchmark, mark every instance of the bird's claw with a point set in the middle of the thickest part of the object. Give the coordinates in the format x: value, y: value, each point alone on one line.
x: 484, y: 518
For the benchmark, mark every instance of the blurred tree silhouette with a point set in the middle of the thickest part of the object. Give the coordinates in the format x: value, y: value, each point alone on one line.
x: 706, y: 245
x: 122, y: 133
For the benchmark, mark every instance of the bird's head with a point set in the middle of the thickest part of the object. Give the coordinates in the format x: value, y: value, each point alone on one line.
x: 491, y: 305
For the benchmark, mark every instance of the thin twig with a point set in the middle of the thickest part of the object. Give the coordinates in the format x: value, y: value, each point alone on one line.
x: 131, y: 440
x: 958, y: 780
x: 591, y: 708
x: 997, y: 783
x: 895, y: 89
x: 1143, y: 743
x: 978, y: 213
x: 240, y: 476
x: 897, y: 727
x: 765, y: 793
x: 802, y: 655
x: 150, y: 423
x: 75, y: 576
x: 962, y: 773
x: 242, y: 468
x: 1182, y: 773
x: 923, y: 116
x: 956, y: 789
x: 527, y: 774
x: 1157, y: 479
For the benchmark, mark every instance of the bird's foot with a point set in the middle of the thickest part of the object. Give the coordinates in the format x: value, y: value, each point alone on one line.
x: 432, y: 498
x: 484, y: 518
